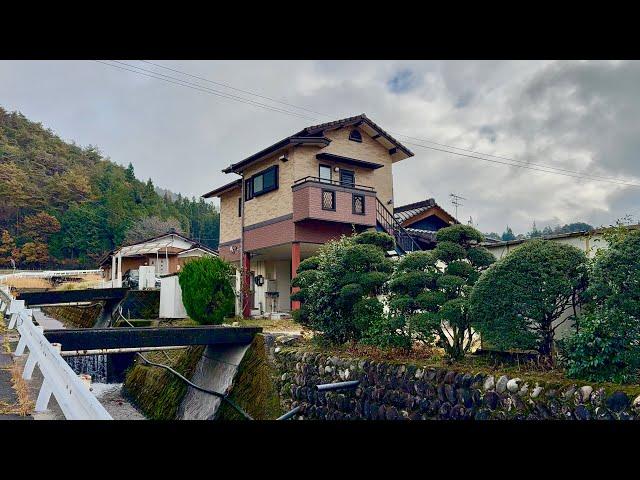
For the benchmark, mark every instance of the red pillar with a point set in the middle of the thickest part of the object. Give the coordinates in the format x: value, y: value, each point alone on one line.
x: 295, y: 262
x: 246, y: 278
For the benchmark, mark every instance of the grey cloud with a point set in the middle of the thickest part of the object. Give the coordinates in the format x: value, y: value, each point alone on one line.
x: 575, y: 115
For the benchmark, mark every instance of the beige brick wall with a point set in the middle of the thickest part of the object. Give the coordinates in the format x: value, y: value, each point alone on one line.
x: 302, y: 163
x: 273, y: 204
x: 370, y: 150
x: 229, y: 220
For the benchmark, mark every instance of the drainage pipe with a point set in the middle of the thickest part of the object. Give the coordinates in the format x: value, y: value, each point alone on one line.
x: 111, y: 351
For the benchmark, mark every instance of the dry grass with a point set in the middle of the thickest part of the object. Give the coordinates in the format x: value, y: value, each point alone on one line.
x: 87, y: 281
x: 268, y: 325
x: 27, y: 282
x: 81, y: 285
x: 25, y: 404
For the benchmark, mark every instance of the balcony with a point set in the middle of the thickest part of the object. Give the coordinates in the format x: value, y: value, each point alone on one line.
x: 333, y: 201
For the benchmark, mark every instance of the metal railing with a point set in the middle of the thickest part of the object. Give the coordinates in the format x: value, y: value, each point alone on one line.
x: 404, y: 240
x: 50, y: 273
x: 71, y: 393
x: 337, y: 183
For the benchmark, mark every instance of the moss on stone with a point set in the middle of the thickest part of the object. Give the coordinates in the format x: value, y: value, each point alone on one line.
x: 74, y: 316
x: 156, y: 391
x: 254, y: 386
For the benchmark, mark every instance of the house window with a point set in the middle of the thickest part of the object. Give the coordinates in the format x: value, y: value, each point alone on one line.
x: 262, y: 182
x: 328, y: 200
x: 325, y: 173
x: 239, y: 206
x: 358, y: 204
x: 355, y: 136
x: 347, y: 178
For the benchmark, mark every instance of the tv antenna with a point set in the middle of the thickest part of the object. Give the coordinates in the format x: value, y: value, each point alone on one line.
x: 455, y: 200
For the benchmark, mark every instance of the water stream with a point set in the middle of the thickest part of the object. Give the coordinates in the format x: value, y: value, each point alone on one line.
x: 104, y: 388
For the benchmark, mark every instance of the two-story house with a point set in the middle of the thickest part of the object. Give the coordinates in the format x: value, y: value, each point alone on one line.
x: 316, y: 185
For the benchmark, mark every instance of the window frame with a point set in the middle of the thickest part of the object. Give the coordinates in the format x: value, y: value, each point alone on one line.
x: 357, y: 137
x: 240, y: 206
x: 249, y: 183
x: 320, y: 167
x: 353, y: 204
x: 333, y: 197
x: 353, y: 173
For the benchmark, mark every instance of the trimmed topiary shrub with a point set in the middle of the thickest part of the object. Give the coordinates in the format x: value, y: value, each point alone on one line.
x: 207, y: 293
x: 516, y: 303
x: 430, y: 290
x: 339, y: 295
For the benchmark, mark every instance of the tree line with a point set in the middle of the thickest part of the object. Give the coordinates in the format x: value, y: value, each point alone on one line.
x: 65, y: 205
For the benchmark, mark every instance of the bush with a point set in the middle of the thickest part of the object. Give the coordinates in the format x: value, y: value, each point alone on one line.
x: 607, y: 345
x: 207, y: 294
x: 431, y: 300
x: 516, y: 302
x: 339, y: 295
x: 605, y: 348
x: 379, y: 239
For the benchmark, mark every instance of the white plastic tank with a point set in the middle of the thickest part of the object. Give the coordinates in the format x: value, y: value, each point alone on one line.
x: 171, y: 298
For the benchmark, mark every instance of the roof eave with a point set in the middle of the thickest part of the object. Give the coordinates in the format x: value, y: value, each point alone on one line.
x: 288, y: 142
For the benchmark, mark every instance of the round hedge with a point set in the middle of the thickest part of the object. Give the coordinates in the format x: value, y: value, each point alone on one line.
x: 207, y: 294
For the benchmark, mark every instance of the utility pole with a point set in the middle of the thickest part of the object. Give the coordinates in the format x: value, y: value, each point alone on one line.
x: 455, y: 200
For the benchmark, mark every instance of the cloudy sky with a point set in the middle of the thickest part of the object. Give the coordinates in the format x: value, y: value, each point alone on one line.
x: 576, y: 116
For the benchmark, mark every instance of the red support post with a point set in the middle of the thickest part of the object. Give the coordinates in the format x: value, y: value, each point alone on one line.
x: 295, y: 262
x: 246, y: 287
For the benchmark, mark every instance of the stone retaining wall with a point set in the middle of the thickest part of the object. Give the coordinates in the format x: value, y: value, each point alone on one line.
x: 398, y: 391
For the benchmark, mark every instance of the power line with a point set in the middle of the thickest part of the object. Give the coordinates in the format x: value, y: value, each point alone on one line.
x: 580, y: 176
x: 236, y: 89
x: 194, y: 86
x: 522, y: 164
x: 546, y: 166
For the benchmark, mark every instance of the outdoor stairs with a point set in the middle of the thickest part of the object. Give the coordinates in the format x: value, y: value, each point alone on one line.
x: 386, y: 222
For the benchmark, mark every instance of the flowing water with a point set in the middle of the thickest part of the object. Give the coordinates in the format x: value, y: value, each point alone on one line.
x: 109, y: 393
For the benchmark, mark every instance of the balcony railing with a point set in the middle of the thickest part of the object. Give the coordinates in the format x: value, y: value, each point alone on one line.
x: 337, y: 183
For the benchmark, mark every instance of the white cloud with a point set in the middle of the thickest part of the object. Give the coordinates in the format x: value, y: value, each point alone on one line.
x: 574, y: 115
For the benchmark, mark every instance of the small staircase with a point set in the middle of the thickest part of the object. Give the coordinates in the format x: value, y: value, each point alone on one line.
x: 387, y: 223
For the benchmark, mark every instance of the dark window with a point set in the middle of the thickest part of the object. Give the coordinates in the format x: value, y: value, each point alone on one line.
x: 325, y: 173
x: 262, y: 182
x: 358, y: 204
x: 355, y: 136
x: 328, y: 200
x: 240, y: 206
x: 347, y: 177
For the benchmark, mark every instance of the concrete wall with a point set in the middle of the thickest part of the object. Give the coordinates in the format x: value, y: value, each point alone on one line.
x: 589, y: 244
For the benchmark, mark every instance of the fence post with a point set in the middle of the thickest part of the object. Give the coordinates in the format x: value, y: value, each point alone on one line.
x: 43, y: 397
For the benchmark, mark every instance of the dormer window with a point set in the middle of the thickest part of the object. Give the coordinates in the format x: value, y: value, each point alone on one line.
x: 355, y: 136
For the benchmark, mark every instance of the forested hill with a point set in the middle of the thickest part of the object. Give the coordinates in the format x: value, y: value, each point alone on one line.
x: 65, y: 205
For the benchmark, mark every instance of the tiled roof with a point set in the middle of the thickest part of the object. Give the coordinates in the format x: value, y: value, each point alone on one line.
x: 313, y: 135
x: 405, y: 212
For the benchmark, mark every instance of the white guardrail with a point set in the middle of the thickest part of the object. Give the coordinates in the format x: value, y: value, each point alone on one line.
x: 74, y: 398
x: 50, y: 273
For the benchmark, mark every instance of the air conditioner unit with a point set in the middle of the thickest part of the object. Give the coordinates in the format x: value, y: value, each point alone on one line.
x: 272, y: 286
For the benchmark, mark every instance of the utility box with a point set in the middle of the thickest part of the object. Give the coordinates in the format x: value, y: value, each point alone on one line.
x: 171, y: 305
x: 147, y: 277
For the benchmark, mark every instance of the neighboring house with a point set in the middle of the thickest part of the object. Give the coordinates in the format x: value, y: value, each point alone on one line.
x: 167, y: 252
x: 587, y: 241
x: 324, y: 181
x: 422, y: 220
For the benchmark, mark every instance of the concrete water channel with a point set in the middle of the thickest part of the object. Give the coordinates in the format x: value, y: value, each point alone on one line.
x: 109, y: 394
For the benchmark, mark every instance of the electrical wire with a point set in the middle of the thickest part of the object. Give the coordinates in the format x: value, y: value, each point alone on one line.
x: 544, y: 168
